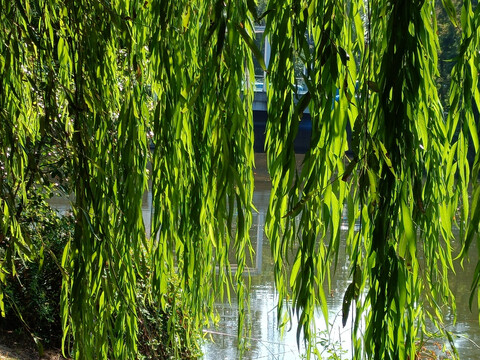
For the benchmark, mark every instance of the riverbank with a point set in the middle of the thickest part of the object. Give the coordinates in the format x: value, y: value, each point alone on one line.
x: 14, y: 346
x: 7, y: 353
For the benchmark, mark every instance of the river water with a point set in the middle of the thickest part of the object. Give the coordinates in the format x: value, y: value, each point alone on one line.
x: 265, y: 340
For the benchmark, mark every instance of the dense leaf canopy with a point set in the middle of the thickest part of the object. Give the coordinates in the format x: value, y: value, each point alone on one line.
x: 101, y: 97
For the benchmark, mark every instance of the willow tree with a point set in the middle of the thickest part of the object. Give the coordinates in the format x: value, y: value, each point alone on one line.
x: 108, y: 79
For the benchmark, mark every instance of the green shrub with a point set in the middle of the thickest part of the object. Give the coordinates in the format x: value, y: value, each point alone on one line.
x: 166, y: 334
x: 32, y: 295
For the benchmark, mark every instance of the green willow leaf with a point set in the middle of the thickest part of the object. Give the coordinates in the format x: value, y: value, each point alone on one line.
x: 450, y: 8
x: 347, y: 300
x: 253, y: 47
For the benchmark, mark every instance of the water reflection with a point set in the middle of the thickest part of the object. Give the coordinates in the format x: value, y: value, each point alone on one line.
x: 266, y: 341
x: 466, y: 330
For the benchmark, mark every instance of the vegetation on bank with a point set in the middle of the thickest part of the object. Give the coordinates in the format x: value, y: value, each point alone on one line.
x: 32, y: 320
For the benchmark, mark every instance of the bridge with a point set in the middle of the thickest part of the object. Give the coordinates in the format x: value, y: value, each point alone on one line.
x: 302, y: 140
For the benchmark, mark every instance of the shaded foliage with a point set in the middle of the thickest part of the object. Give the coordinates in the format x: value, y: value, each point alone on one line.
x: 449, y: 34
x: 156, y: 327
x: 33, y: 294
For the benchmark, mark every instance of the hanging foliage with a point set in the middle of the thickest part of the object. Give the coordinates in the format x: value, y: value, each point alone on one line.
x: 407, y: 168
x: 121, y: 93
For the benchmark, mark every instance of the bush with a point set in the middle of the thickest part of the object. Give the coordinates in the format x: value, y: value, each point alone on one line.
x: 32, y: 296
x: 166, y: 334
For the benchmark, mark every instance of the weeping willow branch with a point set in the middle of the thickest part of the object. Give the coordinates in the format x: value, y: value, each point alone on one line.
x: 102, y: 83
